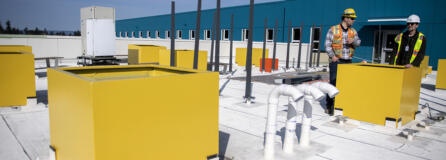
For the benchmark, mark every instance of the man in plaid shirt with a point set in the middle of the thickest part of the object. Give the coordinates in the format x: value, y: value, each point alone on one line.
x: 340, y: 44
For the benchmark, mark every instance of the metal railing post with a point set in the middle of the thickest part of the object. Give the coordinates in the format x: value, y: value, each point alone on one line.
x: 172, y: 35
x: 197, y: 35
x: 274, y: 48
x: 300, y: 45
x: 230, y: 43
x: 288, y: 46
x: 264, y: 45
x: 217, y: 42
x: 248, y: 97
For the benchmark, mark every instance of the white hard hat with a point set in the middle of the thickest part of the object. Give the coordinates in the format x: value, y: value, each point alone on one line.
x: 413, y: 19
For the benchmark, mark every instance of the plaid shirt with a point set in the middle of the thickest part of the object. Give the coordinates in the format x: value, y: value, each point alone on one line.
x: 345, y: 48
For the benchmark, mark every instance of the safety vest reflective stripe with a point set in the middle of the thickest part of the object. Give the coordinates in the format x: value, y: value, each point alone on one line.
x: 337, y: 43
x: 416, y: 49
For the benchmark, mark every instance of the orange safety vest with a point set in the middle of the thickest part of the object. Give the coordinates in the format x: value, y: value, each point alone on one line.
x: 416, y: 48
x: 337, y: 43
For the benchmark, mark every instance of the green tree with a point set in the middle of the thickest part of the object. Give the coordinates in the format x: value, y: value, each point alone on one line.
x: 8, y: 26
x: 25, y: 30
x: 14, y: 30
x: 36, y: 31
x: 1, y: 28
x: 77, y: 33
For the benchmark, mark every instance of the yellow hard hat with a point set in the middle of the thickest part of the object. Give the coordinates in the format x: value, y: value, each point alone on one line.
x: 349, y: 12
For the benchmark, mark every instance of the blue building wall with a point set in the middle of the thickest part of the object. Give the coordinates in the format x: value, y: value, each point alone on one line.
x: 318, y: 12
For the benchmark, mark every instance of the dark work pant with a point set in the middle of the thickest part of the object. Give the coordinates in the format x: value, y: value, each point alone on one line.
x: 333, y: 66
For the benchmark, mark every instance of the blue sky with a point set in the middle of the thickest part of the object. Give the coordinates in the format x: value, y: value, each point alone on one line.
x: 65, y: 14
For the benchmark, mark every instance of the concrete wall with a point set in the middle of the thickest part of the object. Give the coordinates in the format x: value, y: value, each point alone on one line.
x: 70, y: 47
x: 48, y: 46
x: 122, y: 44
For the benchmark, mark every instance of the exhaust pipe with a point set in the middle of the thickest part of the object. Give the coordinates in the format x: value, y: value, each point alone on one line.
x: 314, y: 92
x: 273, y: 102
x: 311, y: 93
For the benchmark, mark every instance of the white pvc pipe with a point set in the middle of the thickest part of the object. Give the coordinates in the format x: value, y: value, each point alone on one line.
x: 310, y: 93
x: 341, y: 122
x: 273, y: 102
x: 325, y: 87
x: 410, y: 137
x: 290, y: 131
x: 306, y: 121
x: 52, y: 155
x: 314, y: 92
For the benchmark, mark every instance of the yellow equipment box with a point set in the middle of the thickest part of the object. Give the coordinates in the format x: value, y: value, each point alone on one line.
x: 441, y: 74
x: 30, y: 87
x: 16, y: 48
x: 424, y: 66
x: 140, y: 54
x: 240, y: 56
x: 375, y: 92
x: 165, y: 58
x: 133, y: 112
x: 17, y: 78
x: 185, y: 59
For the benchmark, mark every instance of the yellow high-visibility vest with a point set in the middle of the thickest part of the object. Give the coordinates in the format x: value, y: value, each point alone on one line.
x: 416, y: 49
x: 337, y: 43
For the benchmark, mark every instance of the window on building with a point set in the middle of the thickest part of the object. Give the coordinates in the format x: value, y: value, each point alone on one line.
x: 315, y: 34
x: 296, y: 35
x: 140, y: 34
x: 148, y: 34
x: 179, y: 34
x: 191, y: 34
x: 269, y: 34
x: 167, y: 34
x: 224, y: 34
x: 245, y: 34
x: 157, y: 34
x: 207, y: 34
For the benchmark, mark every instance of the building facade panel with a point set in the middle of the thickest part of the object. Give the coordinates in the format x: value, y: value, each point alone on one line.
x: 317, y: 12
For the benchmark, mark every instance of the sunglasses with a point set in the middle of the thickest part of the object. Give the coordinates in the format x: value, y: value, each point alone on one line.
x: 353, y: 19
x: 411, y: 24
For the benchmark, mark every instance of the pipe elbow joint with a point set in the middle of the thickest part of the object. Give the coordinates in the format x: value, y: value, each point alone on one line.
x: 312, y: 91
x: 331, y: 90
x: 294, y: 93
x: 286, y: 90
